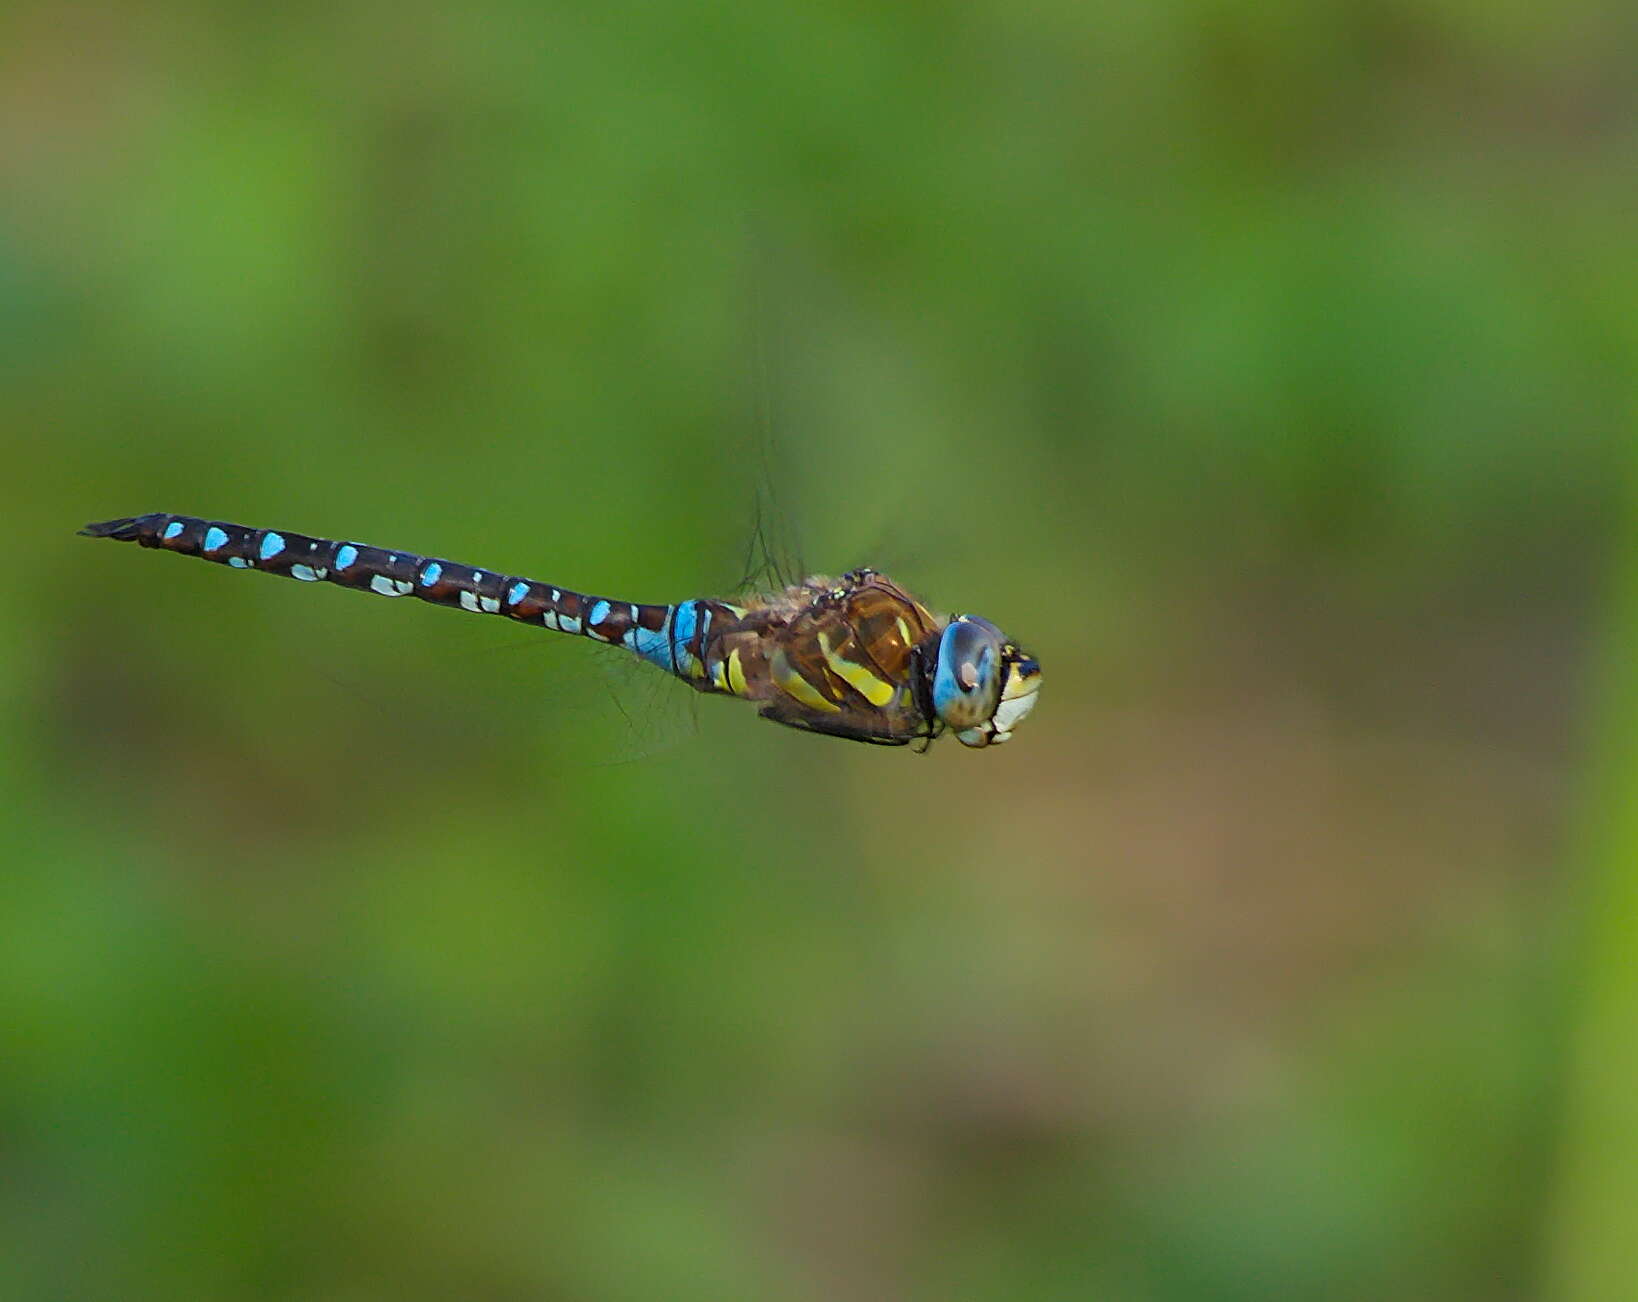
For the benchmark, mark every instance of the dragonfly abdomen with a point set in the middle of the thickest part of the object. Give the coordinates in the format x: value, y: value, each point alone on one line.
x: 668, y: 636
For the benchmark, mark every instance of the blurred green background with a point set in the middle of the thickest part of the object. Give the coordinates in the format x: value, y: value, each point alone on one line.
x: 1267, y: 370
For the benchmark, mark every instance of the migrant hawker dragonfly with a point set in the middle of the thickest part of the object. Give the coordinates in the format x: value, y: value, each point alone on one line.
x: 855, y: 657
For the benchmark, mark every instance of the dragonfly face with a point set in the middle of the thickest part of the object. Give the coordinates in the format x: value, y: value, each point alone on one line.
x: 983, y: 685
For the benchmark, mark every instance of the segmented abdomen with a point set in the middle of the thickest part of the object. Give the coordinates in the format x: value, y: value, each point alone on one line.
x: 670, y: 636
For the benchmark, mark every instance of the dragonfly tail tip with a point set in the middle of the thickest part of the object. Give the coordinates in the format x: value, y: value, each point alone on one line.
x: 122, y: 529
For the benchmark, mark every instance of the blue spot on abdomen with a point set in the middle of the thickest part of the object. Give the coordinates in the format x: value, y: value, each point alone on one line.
x: 429, y: 576
x: 346, y: 554
x: 272, y: 545
x: 215, y: 539
x: 173, y: 529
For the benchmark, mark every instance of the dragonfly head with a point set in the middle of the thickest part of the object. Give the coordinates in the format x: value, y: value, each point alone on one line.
x: 982, y: 684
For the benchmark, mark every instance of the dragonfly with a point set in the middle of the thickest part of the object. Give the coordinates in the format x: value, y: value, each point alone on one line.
x: 856, y: 657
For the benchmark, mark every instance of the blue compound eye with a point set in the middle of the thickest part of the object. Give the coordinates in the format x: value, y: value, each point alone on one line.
x: 967, y: 676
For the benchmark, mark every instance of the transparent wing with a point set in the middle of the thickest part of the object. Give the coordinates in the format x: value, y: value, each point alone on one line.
x: 769, y: 522
x: 831, y: 484
x: 441, y: 686
x: 587, y: 704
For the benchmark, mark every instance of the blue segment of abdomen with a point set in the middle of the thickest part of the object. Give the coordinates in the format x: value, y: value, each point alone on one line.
x: 680, y: 628
x: 654, y: 645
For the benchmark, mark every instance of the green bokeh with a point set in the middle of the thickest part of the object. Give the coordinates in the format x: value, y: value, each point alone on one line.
x: 1268, y: 372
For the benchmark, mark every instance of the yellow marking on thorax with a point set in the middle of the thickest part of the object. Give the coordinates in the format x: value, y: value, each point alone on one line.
x: 856, y: 676
x: 904, y: 631
x: 736, y: 673
x: 794, y: 685
x: 728, y: 673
